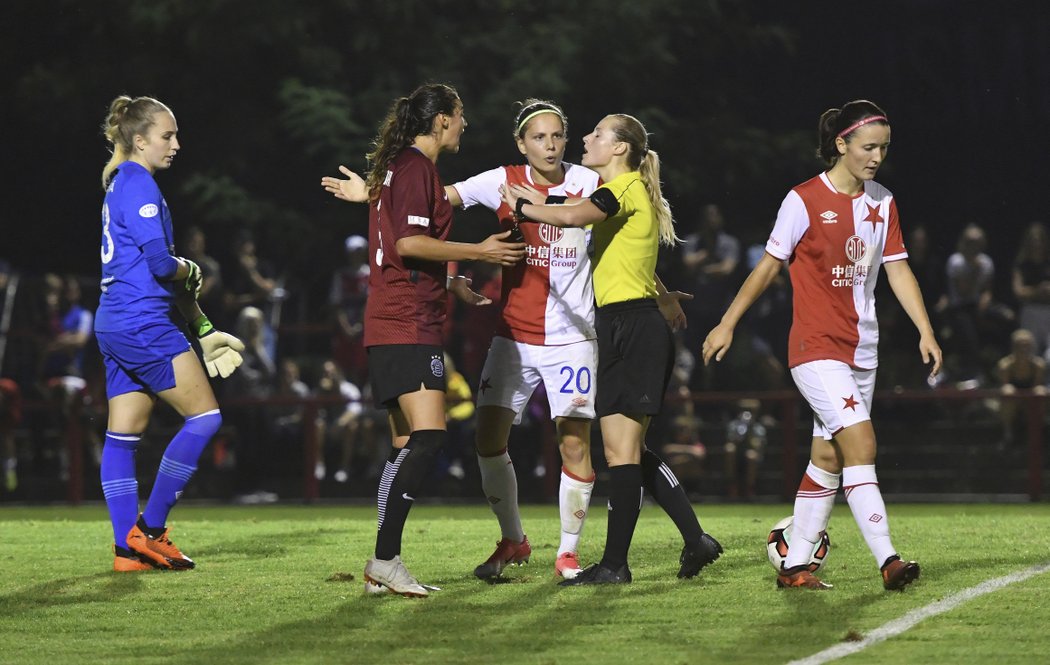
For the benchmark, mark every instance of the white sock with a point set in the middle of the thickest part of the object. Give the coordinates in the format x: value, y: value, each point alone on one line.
x: 501, y: 489
x: 869, y: 511
x: 574, y: 498
x: 813, y: 504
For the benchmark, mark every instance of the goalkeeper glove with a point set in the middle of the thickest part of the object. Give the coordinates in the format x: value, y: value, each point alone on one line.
x: 221, y: 350
x: 194, y: 280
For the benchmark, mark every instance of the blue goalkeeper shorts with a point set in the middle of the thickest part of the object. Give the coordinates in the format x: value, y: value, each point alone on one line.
x: 140, y: 359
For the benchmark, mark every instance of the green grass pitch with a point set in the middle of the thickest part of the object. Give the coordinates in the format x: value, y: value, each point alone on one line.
x: 282, y: 584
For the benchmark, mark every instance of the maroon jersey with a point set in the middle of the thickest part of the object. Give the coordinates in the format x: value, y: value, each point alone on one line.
x: 406, y: 297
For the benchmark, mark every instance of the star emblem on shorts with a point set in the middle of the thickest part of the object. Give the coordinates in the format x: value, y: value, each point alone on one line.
x: 850, y: 403
x: 485, y: 385
x: 873, y: 215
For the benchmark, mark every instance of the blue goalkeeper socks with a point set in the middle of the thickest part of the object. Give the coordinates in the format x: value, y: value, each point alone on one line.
x: 177, y: 466
x: 119, y: 485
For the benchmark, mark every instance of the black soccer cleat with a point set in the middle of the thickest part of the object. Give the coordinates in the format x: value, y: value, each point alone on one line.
x: 599, y: 574
x: 696, y: 557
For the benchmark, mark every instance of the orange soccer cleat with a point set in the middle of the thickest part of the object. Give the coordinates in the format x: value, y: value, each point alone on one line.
x: 126, y: 561
x: 897, y: 574
x: 802, y: 579
x: 159, y: 549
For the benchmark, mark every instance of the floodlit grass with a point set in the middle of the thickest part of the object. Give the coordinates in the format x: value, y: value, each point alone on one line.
x: 272, y: 586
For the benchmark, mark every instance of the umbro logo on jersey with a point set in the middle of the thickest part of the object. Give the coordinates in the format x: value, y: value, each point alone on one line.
x: 830, y: 217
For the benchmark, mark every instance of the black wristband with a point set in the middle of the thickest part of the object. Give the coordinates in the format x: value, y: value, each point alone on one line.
x: 554, y: 199
x: 517, y: 208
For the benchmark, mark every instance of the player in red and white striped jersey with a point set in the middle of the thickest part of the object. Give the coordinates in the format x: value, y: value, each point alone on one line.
x: 545, y: 333
x: 837, y: 231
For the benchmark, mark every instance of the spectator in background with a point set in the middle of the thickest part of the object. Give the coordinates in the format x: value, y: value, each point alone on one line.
x: 61, y: 374
x: 286, y: 420
x: 897, y: 363
x: 745, y: 448
x: 1031, y: 284
x: 10, y: 417
x: 1021, y: 369
x: 211, y: 297
x: 685, y: 453
x: 710, y: 257
x: 252, y: 283
x: 459, y: 415
x: 347, y: 296
x: 928, y: 266
x: 338, y: 424
x: 255, y: 379
x: 973, y: 314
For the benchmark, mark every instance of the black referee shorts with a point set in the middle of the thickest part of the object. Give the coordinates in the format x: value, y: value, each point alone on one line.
x: 635, y: 358
x: 398, y: 369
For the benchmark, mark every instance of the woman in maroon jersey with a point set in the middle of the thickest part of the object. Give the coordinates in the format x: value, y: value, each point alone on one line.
x: 408, y: 222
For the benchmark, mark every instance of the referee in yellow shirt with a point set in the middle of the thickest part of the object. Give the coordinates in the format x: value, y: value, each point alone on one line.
x: 630, y: 219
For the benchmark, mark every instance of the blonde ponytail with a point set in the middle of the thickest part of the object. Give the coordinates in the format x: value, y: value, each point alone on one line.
x: 126, y: 119
x: 650, y: 172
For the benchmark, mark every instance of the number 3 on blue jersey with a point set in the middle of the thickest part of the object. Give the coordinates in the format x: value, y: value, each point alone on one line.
x: 107, y: 240
x: 580, y: 377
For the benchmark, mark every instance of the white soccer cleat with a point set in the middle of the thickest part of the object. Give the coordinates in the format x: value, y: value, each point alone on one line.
x: 392, y: 576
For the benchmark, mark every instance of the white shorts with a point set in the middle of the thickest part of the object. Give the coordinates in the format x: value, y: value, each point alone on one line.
x: 514, y: 369
x: 839, y: 395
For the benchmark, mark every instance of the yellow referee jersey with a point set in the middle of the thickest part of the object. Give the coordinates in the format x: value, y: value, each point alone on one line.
x: 626, y: 244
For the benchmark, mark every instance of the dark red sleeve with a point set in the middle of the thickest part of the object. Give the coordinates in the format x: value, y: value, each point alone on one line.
x: 412, y: 199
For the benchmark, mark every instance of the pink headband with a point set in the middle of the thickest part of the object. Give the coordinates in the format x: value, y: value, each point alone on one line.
x: 859, y: 123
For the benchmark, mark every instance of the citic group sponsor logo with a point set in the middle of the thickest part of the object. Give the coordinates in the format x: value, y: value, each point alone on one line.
x: 550, y: 234
x: 545, y: 257
x: 854, y: 273
x: 855, y: 248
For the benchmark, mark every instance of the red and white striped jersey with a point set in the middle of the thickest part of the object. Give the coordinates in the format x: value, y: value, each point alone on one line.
x: 835, y: 245
x: 548, y: 298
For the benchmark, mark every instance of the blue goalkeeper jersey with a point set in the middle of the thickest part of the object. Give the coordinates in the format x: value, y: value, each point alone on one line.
x: 133, y: 213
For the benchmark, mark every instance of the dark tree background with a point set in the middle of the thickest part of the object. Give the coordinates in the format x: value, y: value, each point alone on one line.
x: 270, y: 95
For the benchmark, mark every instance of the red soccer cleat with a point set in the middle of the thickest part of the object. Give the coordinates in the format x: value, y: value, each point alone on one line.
x: 507, y: 553
x: 567, y: 565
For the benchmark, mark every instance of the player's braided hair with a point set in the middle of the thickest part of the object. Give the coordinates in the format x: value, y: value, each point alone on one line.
x: 408, y: 118
x: 127, y: 118
x: 834, y: 122
x: 644, y: 160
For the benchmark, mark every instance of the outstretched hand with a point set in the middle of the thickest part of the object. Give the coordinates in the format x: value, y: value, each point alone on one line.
x: 671, y: 308
x: 498, y: 248
x: 459, y: 286
x: 351, y: 189
x: 511, y: 194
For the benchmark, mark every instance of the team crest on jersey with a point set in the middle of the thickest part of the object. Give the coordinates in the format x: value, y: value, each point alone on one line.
x: 437, y: 366
x: 149, y: 210
x: 830, y: 217
x: 855, y: 272
x: 550, y: 234
x: 855, y: 249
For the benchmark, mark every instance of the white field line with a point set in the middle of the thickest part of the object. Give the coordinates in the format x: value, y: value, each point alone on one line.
x: 898, y: 626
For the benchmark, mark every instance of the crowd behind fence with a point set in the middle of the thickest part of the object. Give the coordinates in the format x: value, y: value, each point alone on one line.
x: 300, y: 404
x: 950, y: 454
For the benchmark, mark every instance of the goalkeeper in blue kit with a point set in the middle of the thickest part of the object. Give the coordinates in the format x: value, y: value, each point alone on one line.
x: 145, y: 352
